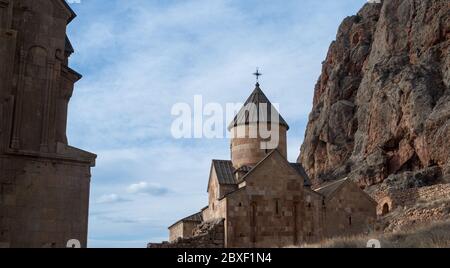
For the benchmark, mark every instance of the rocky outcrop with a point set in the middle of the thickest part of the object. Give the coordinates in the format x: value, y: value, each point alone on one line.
x: 382, y: 103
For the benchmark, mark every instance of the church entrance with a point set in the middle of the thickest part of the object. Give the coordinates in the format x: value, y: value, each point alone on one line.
x: 385, y: 209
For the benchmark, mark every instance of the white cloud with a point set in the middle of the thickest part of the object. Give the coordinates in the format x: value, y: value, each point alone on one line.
x: 147, y: 188
x: 111, y: 198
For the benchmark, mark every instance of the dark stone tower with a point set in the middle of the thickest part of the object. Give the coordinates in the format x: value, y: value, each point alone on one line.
x: 44, y: 182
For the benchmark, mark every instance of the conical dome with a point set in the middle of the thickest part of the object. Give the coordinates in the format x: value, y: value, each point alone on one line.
x: 251, y: 112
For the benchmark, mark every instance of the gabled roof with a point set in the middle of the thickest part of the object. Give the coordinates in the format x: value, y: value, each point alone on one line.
x: 296, y: 166
x: 197, y: 217
x: 69, y: 9
x: 225, y: 172
x: 330, y: 188
x: 251, y: 112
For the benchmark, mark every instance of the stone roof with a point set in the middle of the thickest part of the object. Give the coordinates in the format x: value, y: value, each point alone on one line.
x: 225, y: 172
x: 197, y: 217
x: 328, y: 189
x: 251, y: 113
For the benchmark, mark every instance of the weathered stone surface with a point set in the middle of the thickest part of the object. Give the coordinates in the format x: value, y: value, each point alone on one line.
x: 413, y: 207
x: 349, y: 211
x: 44, y: 182
x: 382, y: 103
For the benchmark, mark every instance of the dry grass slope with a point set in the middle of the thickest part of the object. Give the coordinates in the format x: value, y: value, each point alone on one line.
x: 436, y: 235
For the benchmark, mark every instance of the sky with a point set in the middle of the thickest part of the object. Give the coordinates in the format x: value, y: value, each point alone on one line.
x: 139, y: 58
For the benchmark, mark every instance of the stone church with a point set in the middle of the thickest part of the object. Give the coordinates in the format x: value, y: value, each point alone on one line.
x: 259, y: 199
x: 44, y: 182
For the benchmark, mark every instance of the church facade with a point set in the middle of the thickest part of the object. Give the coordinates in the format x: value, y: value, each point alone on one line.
x: 44, y: 182
x: 259, y: 199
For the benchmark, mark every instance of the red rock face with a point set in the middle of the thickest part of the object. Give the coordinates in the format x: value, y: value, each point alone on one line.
x: 382, y: 103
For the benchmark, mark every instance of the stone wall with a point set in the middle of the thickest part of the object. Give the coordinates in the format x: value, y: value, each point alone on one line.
x: 175, y: 232
x: 43, y: 203
x: 44, y: 182
x: 424, y: 194
x: 349, y: 212
x: 269, y: 211
x: 313, y: 228
x: 183, y: 229
x: 410, y: 197
x: 211, y: 235
x: 217, y: 205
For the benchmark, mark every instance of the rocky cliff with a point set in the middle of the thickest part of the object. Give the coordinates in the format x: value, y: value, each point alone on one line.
x: 381, y: 108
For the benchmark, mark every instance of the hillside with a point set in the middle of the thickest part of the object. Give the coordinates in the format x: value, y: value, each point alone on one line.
x: 436, y: 235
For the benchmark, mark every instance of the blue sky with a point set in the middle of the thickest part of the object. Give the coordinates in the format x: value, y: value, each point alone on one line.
x: 140, y: 57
